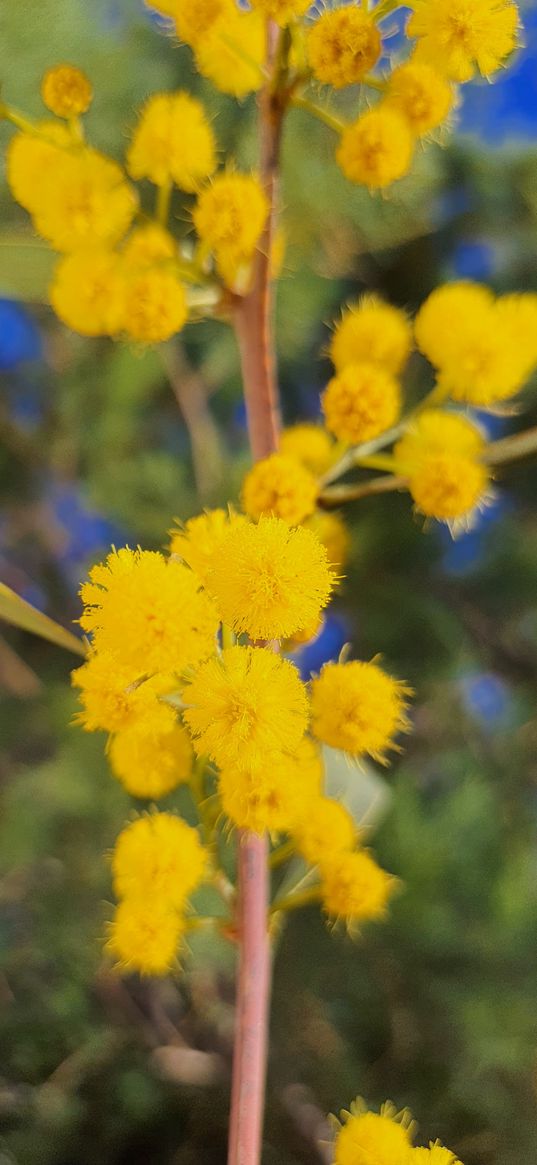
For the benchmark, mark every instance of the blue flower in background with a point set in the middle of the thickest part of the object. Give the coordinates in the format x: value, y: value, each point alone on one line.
x: 487, y: 699
x: 507, y: 109
x: 334, y: 635
x: 474, y: 259
x: 20, y: 339
x: 86, y: 532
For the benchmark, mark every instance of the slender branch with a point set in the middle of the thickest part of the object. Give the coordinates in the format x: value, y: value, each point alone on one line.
x: 512, y: 448
x: 319, y: 112
x: 337, y: 495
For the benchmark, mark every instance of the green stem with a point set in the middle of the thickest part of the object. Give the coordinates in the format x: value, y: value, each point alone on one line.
x: 317, y: 111
x: 296, y: 901
x: 376, y: 461
x: 281, y: 854
x: 162, y: 207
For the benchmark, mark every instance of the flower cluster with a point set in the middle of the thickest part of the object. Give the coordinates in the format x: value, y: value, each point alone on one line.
x: 385, y: 1137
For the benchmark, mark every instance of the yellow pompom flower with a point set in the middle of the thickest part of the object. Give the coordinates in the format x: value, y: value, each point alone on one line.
x: 87, y: 292
x: 342, y: 46
x: 29, y: 156
x: 362, y: 401
x: 245, y: 705
x: 230, y: 216
x: 148, y: 245
x: 113, y: 697
x: 84, y: 201
x: 441, y: 455
x: 270, y: 580
x: 165, y: 7
x: 334, y: 535
x: 282, y: 11
x: 155, y: 306
x: 149, y: 611
x: 444, y: 314
x: 373, y: 331
x: 323, y: 828
x: 151, y: 764
x: 198, y: 542
x: 160, y: 857
x: 173, y: 141
x: 435, y: 1155
x: 309, y: 444
x: 354, y: 889
x: 359, y: 708
x: 377, y: 149
x: 270, y: 796
x: 279, y: 486
x: 144, y: 936
x: 231, y: 53
x: 370, y: 1138
x: 66, y: 91
x: 421, y: 94
x: 195, y: 18
x: 462, y: 37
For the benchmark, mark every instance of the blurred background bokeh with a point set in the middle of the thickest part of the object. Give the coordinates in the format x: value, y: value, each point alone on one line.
x: 103, y: 444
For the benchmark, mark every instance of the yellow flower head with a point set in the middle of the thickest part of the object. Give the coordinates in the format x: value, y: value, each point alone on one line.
x: 270, y: 580
x: 195, y: 18
x: 434, y: 1155
x: 445, y: 312
x: 165, y: 7
x: 342, y: 46
x: 66, y: 91
x: 148, y: 245
x: 355, y: 889
x: 334, y: 535
x: 113, y: 698
x: 309, y: 444
x: 359, y: 708
x: 421, y: 94
x: 155, y: 306
x: 158, y: 857
x: 377, y: 149
x: 87, y: 292
x: 230, y: 215
x: 144, y: 936
x: 462, y: 37
x: 173, y: 141
x: 84, y: 201
x: 149, y: 611
x: 440, y: 454
x: 270, y: 796
x: 198, y: 542
x: 282, y: 11
x: 232, y: 52
x: 244, y: 705
x: 151, y: 764
x: 322, y: 829
x: 373, y: 331
x: 362, y: 401
x: 370, y: 1138
x: 29, y: 156
x: 278, y: 485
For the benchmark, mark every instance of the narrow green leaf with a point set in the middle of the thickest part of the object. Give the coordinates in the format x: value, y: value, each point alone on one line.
x: 26, y: 266
x: 21, y: 614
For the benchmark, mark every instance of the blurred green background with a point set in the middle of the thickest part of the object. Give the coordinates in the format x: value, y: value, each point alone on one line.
x: 437, y: 1008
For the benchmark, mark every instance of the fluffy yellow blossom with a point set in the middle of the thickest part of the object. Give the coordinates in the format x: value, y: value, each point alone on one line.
x: 165, y: 7
x: 444, y: 313
x: 373, y: 331
x: 323, y: 828
x: 282, y: 11
x: 144, y: 936
x: 151, y: 764
x: 421, y: 94
x: 354, y: 889
x: 309, y: 444
x: 198, y: 542
x: 173, y: 141
x: 358, y: 707
x: 155, y: 306
x: 66, y: 91
x: 279, y: 486
x: 270, y: 580
x: 87, y: 292
x: 270, y: 795
x: 232, y: 52
x: 229, y: 217
x: 342, y: 46
x: 362, y: 401
x: 113, y: 698
x: 245, y: 705
x: 440, y: 454
x: 370, y: 1138
x: 148, y: 245
x: 195, y: 18
x: 462, y: 37
x: 434, y: 1155
x: 30, y: 155
x: 84, y: 201
x: 377, y: 149
x: 311, y: 631
x: 149, y: 611
x: 160, y: 857
x: 334, y: 535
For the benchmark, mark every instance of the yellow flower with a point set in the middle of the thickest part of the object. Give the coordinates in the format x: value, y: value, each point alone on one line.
x: 231, y: 53
x: 144, y: 936
x: 173, y: 141
x: 360, y: 402
x: 282, y: 11
x: 148, y: 245
x: 373, y: 331
x: 440, y: 454
x: 269, y: 796
x: 83, y: 201
x: 309, y: 444
x: 445, y: 312
x: 244, y: 705
x: 358, y: 708
x: 151, y: 764
x: 270, y: 580
x: 370, y: 1138
x: 460, y: 37
x: 342, y: 46
x: 29, y: 156
x: 149, y: 612
x: 66, y: 91
x: 87, y: 292
x: 198, y: 542
x: 421, y: 94
x: 355, y: 889
x: 113, y: 698
x: 230, y: 216
x: 155, y: 306
x: 323, y: 828
x: 279, y: 486
x: 334, y: 535
x: 194, y: 19
x: 434, y: 1155
x: 377, y: 149
x: 165, y: 7
x: 158, y: 857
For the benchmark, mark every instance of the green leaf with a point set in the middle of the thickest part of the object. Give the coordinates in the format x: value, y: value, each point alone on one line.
x: 26, y: 266
x: 21, y: 614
